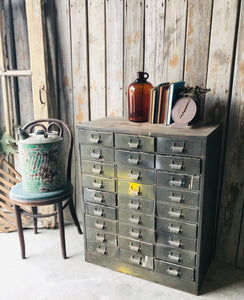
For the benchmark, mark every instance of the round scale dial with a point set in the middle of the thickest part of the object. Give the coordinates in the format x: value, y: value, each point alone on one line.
x: 184, y: 110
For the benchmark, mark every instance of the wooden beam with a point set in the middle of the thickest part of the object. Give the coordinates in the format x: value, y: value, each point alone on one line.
x: 13, y: 73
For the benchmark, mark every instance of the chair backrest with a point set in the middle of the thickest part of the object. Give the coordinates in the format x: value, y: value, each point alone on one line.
x: 62, y: 129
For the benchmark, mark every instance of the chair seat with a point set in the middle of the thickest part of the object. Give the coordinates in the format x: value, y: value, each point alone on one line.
x: 18, y: 194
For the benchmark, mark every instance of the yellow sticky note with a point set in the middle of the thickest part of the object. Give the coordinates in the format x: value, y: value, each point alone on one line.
x: 134, y: 188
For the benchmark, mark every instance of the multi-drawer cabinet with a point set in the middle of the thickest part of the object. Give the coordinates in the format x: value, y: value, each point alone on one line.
x: 150, y: 195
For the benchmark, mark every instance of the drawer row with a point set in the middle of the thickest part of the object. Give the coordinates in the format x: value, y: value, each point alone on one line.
x: 141, y: 143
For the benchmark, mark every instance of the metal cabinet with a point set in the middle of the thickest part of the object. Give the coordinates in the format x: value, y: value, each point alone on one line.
x: 150, y: 194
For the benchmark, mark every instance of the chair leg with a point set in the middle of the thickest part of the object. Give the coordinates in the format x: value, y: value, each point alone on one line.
x: 74, y: 216
x: 20, y: 230
x: 34, y: 211
x: 61, y: 228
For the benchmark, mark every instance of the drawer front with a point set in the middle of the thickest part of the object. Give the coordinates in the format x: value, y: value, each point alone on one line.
x: 136, y: 174
x: 136, y: 189
x: 178, y: 164
x: 136, y: 218
x: 174, y: 270
x: 137, y: 233
x: 175, y: 241
x: 102, y: 249
x: 99, y: 197
x: 97, y: 153
x: 101, y: 237
x: 178, y: 180
x: 144, y: 160
x: 179, y: 228
x: 136, y: 204
x: 135, y: 246
x: 104, y: 139
x: 99, y: 183
x: 101, y: 224
x: 101, y: 211
x: 175, y: 255
x: 176, y: 212
x: 134, y: 142
x: 177, y: 146
x: 139, y: 260
x: 97, y: 168
x: 176, y: 196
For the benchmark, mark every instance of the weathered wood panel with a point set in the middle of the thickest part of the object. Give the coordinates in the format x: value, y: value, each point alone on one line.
x: 96, y: 38
x: 232, y: 201
x: 174, y: 40
x: 133, y: 43
x: 154, y: 40
x: 114, y: 57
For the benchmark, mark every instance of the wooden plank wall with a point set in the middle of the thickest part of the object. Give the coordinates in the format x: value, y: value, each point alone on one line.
x: 101, y: 44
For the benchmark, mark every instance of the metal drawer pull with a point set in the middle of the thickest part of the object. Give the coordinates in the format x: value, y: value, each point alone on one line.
x: 133, y: 161
x: 173, y: 229
x: 96, y: 155
x: 135, y: 234
x: 100, y: 226
x: 95, y: 140
x: 136, y: 261
x: 100, y: 238
x: 175, y: 258
x: 175, y: 214
x: 101, y: 251
x: 134, y: 205
x: 97, y: 185
x: 178, y: 183
x: 134, y: 176
x: 173, y: 272
x: 176, y: 244
x: 176, y: 167
x: 132, y: 219
x: 177, y: 199
x: 177, y: 149
x: 96, y: 170
x: 98, y: 213
x: 134, y: 145
x: 134, y: 248
x: 98, y: 199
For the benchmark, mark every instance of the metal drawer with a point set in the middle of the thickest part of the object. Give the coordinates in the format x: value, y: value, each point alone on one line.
x: 101, y: 224
x: 174, y: 270
x: 171, y: 211
x: 178, y: 146
x: 144, y: 160
x: 182, y: 164
x: 179, y: 228
x: 135, y: 246
x: 101, y: 237
x: 97, y: 168
x: 99, y: 197
x: 101, y: 211
x: 176, y: 241
x: 139, y: 260
x: 175, y: 255
x: 138, y: 233
x: 178, y: 180
x: 136, y: 189
x: 99, y: 183
x: 176, y: 196
x: 102, y: 249
x: 104, y: 139
x: 136, y: 174
x: 97, y: 153
x: 136, y: 218
x: 136, y: 204
x: 134, y: 142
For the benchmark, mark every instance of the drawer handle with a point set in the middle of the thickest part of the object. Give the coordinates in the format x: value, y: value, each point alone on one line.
x: 177, y: 199
x: 176, y: 244
x: 96, y: 155
x: 97, y: 170
x: 178, y: 183
x: 134, y: 220
x: 136, y: 261
x: 95, y: 140
x: 101, y: 251
x: 173, y: 229
x: 97, y: 185
x: 135, y: 234
x: 174, y: 258
x: 98, y: 199
x: 98, y: 213
x: 175, y: 214
x: 134, y: 176
x: 175, y: 166
x: 100, y: 238
x: 134, y: 145
x: 100, y: 226
x: 134, y: 248
x: 177, y: 149
x: 134, y: 205
x: 173, y: 272
x: 133, y: 161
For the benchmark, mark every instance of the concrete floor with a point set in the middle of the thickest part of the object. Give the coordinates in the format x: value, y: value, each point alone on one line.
x: 45, y: 275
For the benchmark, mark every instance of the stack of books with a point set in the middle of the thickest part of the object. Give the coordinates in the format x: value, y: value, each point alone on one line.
x: 161, y: 101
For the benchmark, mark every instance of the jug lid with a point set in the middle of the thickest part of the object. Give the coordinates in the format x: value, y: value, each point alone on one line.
x: 39, y: 136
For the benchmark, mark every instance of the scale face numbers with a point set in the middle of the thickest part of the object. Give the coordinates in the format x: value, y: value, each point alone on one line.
x: 184, y: 110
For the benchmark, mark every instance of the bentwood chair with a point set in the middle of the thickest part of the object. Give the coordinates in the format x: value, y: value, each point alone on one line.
x: 20, y: 197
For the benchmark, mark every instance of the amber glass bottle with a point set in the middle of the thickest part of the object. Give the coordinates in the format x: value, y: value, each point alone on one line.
x: 138, y: 98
